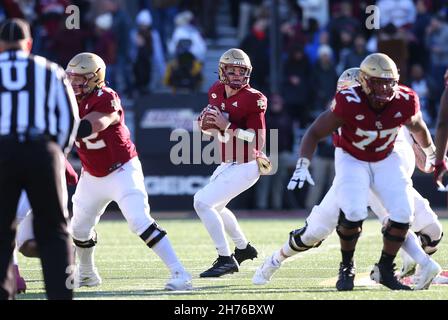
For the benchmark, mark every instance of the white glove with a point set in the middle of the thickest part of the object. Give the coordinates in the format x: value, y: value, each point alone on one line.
x: 301, y: 174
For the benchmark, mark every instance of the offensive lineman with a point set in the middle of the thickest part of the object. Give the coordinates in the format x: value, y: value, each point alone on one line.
x: 368, y: 119
x: 240, y: 116
x: 323, y: 219
x: 111, y: 171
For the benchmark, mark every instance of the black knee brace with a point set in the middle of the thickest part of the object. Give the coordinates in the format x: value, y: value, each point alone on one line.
x: 394, y: 225
x: 146, y: 235
x: 88, y: 243
x: 350, y: 225
x: 428, y: 245
x: 295, y: 241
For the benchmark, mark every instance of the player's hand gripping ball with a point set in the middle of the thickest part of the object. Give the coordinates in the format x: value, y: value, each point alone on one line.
x: 206, y: 122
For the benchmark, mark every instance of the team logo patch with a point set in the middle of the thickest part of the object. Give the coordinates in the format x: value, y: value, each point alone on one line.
x: 214, y: 95
x: 360, y: 117
x: 398, y: 115
x: 115, y: 104
x: 223, y: 106
x: 235, y: 104
x: 379, y: 125
x: 260, y: 104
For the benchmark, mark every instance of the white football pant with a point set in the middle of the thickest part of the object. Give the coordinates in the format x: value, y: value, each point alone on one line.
x: 125, y: 186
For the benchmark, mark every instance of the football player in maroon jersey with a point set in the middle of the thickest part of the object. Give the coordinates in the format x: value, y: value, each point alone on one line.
x: 367, y: 119
x: 111, y: 171
x: 240, y: 117
x: 442, y: 137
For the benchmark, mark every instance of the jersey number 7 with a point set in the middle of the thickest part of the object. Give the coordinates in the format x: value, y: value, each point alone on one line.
x: 372, y: 135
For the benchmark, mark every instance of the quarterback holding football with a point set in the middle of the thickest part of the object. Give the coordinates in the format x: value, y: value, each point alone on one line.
x: 235, y: 115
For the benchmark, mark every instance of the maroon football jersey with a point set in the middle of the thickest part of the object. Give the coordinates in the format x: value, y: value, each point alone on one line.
x: 104, y: 151
x: 366, y: 134
x: 245, y: 110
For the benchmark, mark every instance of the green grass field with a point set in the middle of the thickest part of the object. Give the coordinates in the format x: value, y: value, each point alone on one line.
x: 132, y: 271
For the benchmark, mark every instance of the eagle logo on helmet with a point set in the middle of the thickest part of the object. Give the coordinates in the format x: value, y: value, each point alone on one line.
x: 378, y: 77
x: 234, y: 58
x: 86, y: 72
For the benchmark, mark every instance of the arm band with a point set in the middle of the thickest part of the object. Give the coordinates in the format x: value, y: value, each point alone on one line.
x: 245, y: 135
x: 84, y: 129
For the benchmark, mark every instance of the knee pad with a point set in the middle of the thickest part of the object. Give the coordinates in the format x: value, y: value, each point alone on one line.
x: 429, y: 245
x: 296, y: 243
x: 88, y: 243
x: 354, y: 228
x: 397, y: 226
x: 147, y: 237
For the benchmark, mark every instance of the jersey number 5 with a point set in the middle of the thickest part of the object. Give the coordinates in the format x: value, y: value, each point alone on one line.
x: 92, y: 145
x: 373, y: 135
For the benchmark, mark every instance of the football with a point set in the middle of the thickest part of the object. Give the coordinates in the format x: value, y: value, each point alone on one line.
x: 205, y: 123
x: 420, y: 158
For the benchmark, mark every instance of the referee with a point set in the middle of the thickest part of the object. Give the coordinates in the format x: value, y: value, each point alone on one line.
x: 38, y: 120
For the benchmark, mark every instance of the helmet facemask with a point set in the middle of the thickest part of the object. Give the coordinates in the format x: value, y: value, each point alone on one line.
x: 382, y: 90
x: 228, y: 72
x: 80, y: 83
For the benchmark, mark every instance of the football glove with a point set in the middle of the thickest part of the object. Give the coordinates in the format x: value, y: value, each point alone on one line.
x: 301, y: 174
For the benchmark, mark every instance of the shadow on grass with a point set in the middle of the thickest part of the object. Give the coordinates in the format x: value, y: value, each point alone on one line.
x: 211, y: 292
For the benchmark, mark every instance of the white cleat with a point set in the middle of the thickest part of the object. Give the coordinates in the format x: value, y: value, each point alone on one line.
x: 426, y: 274
x: 409, y: 265
x: 87, y: 279
x: 179, y: 281
x: 265, y: 272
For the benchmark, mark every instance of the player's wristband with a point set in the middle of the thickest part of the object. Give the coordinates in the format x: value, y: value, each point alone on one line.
x: 245, y: 135
x: 429, y: 150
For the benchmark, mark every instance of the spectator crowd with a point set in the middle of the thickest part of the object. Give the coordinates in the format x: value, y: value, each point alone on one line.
x: 157, y: 45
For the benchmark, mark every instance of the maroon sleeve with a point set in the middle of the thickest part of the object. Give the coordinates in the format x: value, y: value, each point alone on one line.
x: 70, y: 174
x: 337, y: 105
x: 416, y: 104
x: 256, y: 119
x: 106, y: 102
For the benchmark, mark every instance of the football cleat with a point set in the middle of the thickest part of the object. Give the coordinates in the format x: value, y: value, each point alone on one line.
x: 179, y: 281
x: 87, y: 279
x: 386, y: 276
x: 20, y: 281
x: 346, y: 279
x: 425, y: 274
x: 265, y: 272
x: 408, y: 268
x: 245, y: 254
x: 440, y: 279
x: 223, y: 265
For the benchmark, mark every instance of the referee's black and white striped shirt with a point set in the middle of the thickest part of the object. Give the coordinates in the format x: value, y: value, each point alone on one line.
x: 36, y: 99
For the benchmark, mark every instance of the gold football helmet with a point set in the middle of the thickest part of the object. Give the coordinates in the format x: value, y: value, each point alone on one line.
x: 86, y: 72
x: 234, y: 58
x: 379, y: 77
x: 348, y: 78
